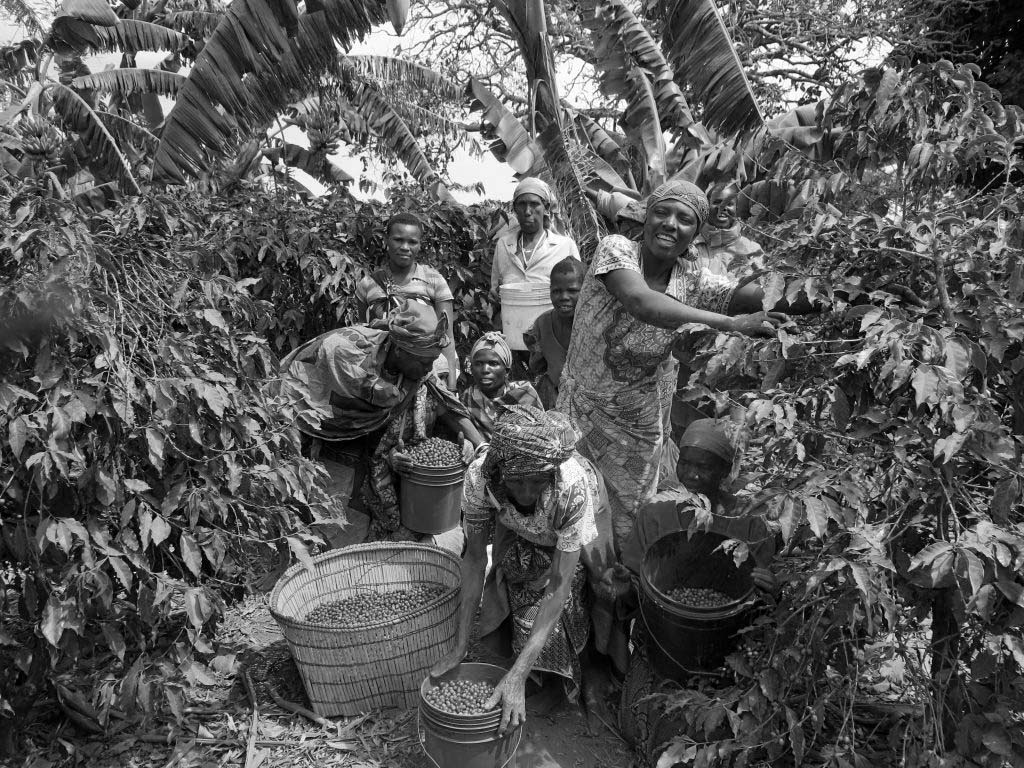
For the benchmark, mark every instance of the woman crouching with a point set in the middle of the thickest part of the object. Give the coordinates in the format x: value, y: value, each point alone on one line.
x: 537, y: 499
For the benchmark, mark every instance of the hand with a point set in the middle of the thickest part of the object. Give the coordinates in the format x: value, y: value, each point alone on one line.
x: 615, y: 582
x: 494, y: 296
x: 765, y: 580
x: 399, y: 460
x: 511, y: 693
x: 449, y: 662
x: 468, y: 450
x: 758, y: 324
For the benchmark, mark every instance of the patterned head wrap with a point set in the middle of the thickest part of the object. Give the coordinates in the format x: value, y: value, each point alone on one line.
x: 495, y: 342
x: 530, y: 441
x: 417, y: 330
x: 531, y: 185
x: 709, y: 436
x: 687, y: 193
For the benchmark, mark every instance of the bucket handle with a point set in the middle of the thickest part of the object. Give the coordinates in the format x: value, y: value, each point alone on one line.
x: 664, y: 650
x: 422, y: 736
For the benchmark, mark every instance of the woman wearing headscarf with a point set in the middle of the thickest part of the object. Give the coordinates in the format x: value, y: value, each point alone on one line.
x: 490, y: 364
x: 367, y: 391
x: 706, y: 457
x: 619, y: 375
x: 540, y: 503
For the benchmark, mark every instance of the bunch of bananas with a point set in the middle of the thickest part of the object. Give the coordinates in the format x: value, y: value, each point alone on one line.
x: 324, y: 131
x: 40, y: 140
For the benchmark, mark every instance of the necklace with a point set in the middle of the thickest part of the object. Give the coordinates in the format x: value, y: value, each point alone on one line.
x: 522, y: 247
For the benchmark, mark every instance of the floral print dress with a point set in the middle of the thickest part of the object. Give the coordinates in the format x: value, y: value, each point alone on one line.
x: 619, y: 375
x: 565, y: 518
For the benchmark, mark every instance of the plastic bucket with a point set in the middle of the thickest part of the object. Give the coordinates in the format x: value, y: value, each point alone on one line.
x: 430, y: 498
x: 521, y: 304
x: 466, y: 741
x: 687, y: 638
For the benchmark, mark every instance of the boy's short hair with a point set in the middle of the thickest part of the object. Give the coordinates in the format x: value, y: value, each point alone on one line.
x: 569, y: 266
x: 403, y: 217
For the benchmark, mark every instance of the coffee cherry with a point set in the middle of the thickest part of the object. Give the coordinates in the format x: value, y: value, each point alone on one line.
x: 372, y: 607
x: 699, y: 598
x: 460, y: 697
x: 436, y: 453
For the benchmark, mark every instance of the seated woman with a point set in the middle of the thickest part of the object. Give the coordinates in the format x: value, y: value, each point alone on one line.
x: 490, y: 363
x: 371, y: 390
x: 538, y: 500
x: 706, y: 457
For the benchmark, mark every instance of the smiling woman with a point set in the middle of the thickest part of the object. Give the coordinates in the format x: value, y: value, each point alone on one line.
x: 619, y: 375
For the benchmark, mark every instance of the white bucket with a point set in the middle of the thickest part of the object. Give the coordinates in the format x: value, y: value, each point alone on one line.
x: 521, y: 304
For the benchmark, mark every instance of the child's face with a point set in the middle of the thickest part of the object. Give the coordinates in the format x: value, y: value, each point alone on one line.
x: 565, y: 292
x: 489, y: 372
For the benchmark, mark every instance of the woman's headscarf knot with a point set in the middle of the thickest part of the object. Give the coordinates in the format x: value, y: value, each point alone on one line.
x: 687, y: 193
x: 416, y: 329
x: 530, y: 441
x: 710, y: 436
x: 494, y: 341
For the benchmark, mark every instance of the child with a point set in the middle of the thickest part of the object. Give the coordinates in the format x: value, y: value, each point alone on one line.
x: 490, y: 362
x: 548, y: 337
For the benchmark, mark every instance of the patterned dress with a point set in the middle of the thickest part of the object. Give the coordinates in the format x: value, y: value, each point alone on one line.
x: 483, y: 410
x: 564, y: 519
x: 619, y: 376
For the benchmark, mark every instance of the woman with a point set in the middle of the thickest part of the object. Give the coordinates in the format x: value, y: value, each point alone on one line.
x: 706, y: 457
x: 371, y: 389
x: 403, y: 277
x: 539, y: 501
x: 490, y: 363
x: 619, y: 376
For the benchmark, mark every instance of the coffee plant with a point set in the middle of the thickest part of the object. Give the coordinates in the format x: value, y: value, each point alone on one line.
x: 886, y: 442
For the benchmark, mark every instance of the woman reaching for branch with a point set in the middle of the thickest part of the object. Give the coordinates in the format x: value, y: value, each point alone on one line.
x: 619, y: 374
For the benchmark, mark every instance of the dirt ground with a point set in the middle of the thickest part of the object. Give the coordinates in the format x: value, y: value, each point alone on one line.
x: 216, y: 727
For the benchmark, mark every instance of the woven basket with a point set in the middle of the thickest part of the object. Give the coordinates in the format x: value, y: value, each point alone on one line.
x: 349, y: 670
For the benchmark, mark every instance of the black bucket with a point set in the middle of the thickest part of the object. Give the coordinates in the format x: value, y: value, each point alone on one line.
x: 687, y: 638
x: 466, y: 741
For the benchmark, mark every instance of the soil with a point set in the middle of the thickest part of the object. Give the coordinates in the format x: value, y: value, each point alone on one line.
x: 216, y: 725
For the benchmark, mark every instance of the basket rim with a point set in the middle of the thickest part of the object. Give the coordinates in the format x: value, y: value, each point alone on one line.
x: 298, y: 568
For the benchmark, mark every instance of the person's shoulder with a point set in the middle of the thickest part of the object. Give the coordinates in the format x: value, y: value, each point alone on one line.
x: 558, y: 239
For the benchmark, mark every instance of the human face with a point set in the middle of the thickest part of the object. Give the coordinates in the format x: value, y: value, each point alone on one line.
x: 489, y: 372
x: 701, y: 471
x: 565, y: 292
x: 409, y: 365
x: 723, y: 207
x: 530, y: 211
x: 669, y: 229
x: 526, y: 490
x: 403, y: 244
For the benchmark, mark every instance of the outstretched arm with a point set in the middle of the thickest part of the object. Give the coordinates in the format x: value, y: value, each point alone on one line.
x: 511, y: 691
x: 655, y: 308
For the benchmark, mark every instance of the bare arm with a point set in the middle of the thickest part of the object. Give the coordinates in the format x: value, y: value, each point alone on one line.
x: 474, y: 563
x: 465, y: 426
x: 511, y: 691
x: 447, y: 308
x: 663, y: 311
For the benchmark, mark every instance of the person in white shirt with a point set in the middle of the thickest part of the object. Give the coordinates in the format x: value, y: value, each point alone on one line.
x: 527, y: 254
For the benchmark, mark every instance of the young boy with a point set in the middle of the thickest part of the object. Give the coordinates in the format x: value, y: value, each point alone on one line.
x: 548, y: 337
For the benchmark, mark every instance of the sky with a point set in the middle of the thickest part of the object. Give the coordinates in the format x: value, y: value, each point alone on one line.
x: 497, y: 177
